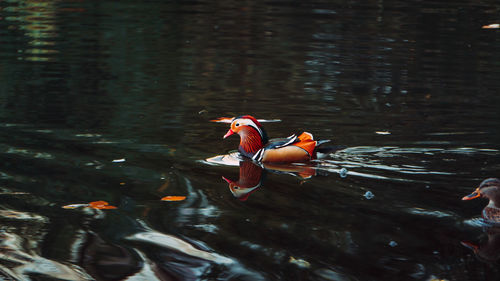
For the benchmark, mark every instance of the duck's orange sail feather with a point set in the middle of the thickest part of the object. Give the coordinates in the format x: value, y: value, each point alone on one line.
x: 307, y: 143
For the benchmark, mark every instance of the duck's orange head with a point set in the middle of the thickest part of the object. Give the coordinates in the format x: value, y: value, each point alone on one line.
x: 246, y: 125
x: 252, y: 135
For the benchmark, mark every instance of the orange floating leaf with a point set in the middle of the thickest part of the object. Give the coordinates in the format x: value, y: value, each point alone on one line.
x: 173, y: 198
x: 101, y: 205
x: 230, y: 119
x: 98, y: 203
x: 94, y: 205
x: 491, y: 26
x: 223, y: 120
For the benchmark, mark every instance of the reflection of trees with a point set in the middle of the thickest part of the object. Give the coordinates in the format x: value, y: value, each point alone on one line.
x: 117, y: 66
x: 43, y: 85
x: 36, y: 19
x: 284, y: 59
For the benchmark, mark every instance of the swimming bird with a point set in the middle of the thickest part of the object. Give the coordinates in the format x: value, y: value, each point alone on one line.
x: 255, y: 144
x: 490, y: 189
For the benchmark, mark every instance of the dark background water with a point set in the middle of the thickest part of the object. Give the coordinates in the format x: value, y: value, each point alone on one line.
x: 83, y: 83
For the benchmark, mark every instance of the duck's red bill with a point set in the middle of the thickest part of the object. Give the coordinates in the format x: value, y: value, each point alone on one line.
x: 229, y: 132
x: 473, y: 195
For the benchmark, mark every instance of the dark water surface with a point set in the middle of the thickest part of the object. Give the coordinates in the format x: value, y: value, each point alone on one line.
x: 111, y: 100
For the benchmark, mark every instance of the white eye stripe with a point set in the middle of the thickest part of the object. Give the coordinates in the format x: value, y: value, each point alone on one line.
x: 246, y: 122
x: 250, y: 123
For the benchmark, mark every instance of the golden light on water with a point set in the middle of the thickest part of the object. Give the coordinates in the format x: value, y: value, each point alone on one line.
x: 37, y: 20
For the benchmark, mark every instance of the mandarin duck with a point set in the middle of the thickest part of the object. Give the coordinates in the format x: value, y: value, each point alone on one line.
x: 255, y: 144
x: 490, y: 189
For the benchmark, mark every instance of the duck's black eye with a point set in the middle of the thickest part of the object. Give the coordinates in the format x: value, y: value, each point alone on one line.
x: 237, y: 124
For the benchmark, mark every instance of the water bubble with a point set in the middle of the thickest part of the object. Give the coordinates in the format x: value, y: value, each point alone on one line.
x: 369, y: 195
x: 343, y: 172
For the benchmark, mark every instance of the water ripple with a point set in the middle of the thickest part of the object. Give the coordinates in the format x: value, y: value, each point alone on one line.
x: 177, y: 244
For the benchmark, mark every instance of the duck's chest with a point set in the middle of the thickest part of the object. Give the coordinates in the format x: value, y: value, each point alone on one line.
x: 491, y: 214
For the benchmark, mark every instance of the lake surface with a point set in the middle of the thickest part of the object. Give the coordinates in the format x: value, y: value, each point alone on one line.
x: 112, y: 101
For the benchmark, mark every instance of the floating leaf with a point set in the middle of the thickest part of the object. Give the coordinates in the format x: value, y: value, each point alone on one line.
x: 491, y: 26
x: 101, y: 205
x: 223, y: 120
x: 94, y: 205
x: 173, y: 198
x: 230, y: 119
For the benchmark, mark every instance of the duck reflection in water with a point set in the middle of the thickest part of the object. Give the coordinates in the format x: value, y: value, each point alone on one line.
x: 489, y: 249
x: 252, y: 176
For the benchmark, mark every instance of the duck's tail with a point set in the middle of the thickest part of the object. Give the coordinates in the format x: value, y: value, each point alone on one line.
x: 320, y: 142
x: 324, y: 151
x: 315, y: 148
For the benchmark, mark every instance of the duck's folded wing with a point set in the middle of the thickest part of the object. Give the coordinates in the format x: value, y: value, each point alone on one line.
x: 292, y: 149
x: 278, y: 143
x: 307, y: 142
x: 275, y: 144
